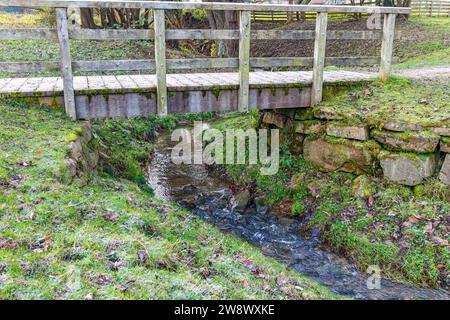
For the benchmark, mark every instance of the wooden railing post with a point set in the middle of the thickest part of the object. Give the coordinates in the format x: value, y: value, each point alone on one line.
x: 66, y: 62
x: 319, y: 57
x: 387, y: 45
x: 244, y: 59
x: 160, y: 60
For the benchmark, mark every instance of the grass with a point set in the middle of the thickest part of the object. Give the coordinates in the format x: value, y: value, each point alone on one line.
x: 107, y: 239
x: 423, y: 103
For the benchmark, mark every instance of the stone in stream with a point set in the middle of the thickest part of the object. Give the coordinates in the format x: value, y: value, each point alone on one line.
x: 356, y: 132
x: 341, y: 155
x: 421, y: 142
x: 408, y: 169
x: 240, y: 201
x: 444, y: 174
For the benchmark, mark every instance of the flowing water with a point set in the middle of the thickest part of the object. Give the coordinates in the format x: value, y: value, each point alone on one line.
x: 206, y: 194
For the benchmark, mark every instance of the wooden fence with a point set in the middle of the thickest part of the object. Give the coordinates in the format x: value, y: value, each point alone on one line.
x: 430, y: 8
x: 159, y: 34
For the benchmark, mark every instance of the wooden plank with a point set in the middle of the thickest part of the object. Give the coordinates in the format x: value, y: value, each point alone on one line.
x: 387, y: 45
x: 29, y: 67
x: 160, y: 57
x: 66, y: 62
x: 319, y: 57
x: 185, y: 34
x: 114, y: 65
x: 28, y: 34
x: 244, y: 59
x: 162, y: 5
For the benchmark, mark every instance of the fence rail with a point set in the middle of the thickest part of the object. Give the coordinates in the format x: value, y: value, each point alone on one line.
x: 430, y: 7
x: 160, y: 64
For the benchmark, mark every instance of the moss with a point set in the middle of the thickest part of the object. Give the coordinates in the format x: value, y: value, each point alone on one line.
x: 72, y: 137
x: 108, y: 235
x: 216, y: 91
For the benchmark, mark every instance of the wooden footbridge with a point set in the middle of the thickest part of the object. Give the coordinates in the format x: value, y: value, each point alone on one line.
x: 161, y: 92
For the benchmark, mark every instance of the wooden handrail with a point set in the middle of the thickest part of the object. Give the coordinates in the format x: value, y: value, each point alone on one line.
x: 160, y: 35
x: 174, y: 5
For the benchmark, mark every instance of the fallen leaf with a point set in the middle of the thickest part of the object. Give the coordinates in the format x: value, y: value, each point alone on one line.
x: 281, y: 279
x: 415, y: 219
x: 111, y: 217
x: 429, y: 227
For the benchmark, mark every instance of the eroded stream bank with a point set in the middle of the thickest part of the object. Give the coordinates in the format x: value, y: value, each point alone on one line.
x: 208, y: 196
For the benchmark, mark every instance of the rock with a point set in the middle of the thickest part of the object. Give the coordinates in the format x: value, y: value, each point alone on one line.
x: 92, y: 159
x: 347, y: 156
x: 327, y: 114
x: 394, y: 125
x: 240, y: 201
x: 296, y: 181
x: 444, y: 145
x: 309, y: 126
x: 421, y: 142
x: 261, y: 208
x: 313, y: 188
x: 444, y: 174
x: 304, y: 114
x: 408, y: 169
x: 76, y: 150
x: 442, y: 131
x: 296, y: 144
x: 290, y: 113
x: 362, y: 187
x: 276, y: 119
x: 357, y: 132
x: 71, y: 167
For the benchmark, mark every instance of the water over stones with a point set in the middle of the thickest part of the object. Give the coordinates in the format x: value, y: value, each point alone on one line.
x: 332, y: 156
x: 408, y: 169
x: 275, y: 236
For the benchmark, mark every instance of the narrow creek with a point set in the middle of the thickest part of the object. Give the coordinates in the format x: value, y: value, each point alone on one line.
x: 207, y: 195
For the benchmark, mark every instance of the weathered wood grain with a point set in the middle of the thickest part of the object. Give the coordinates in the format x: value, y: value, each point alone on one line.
x: 319, y: 57
x: 244, y: 59
x: 66, y: 62
x: 160, y: 58
x: 162, y: 5
x: 387, y: 45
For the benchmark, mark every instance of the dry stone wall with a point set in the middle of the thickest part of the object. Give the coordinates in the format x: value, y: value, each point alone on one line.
x: 405, y: 152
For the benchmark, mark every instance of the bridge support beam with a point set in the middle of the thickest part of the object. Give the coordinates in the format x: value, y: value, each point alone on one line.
x: 244, y: 59
x: 319, y: 57
x: 387, y: 45
x: 66, y: 62
x: 160, y: 61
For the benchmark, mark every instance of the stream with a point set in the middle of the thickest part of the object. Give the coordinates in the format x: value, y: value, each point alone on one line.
x: 207, y: 195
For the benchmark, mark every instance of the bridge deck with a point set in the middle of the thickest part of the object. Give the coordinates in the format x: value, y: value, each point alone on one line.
x: 53, y: 86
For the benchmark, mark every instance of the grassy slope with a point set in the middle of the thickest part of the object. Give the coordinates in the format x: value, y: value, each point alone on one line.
x: 117, y: 240
x: 392, y: 227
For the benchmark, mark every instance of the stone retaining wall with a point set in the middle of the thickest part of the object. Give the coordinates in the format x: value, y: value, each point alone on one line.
x: 406, y: 153
x: 82, y: 154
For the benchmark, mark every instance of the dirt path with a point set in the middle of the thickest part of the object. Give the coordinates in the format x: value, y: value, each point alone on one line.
x: 424, y: 73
